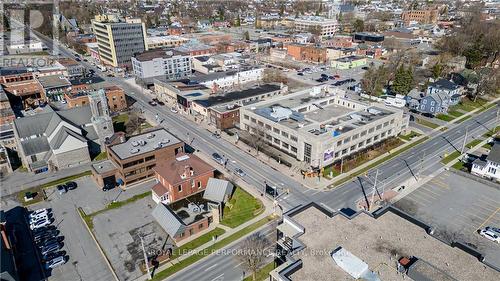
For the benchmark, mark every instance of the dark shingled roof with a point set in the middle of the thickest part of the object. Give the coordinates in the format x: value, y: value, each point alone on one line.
x: 494, y: 155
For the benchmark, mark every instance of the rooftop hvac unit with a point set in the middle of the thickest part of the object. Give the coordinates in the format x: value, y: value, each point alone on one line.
x: 151, y: 135
x: 134, y: 150
x: 135, y: 143
x: 142, y: 142
x: 164, y: 141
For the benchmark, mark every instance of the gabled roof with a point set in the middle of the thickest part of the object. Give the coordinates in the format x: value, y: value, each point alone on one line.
x: 217, y: 190
x: 494, y: 155
x: 62, y: 135
x: 444, y: 85
x: 168, y: 220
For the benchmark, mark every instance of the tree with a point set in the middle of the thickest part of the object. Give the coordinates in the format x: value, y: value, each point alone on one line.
x: 238, y: 21
x: 257, y: 137
x: 403, y: 80
x: 282, y: 9
x: 133, y: 123
x: 252, y: 253
x: 246, y: 35
x: 487, y: 82
x: 273, y: 75
x: 374, y: 79
x: 358, y: 25
x: 437, y: 70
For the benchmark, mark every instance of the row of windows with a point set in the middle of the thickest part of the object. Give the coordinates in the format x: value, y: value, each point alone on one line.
x: 270, y: 128
x: 362, y: 143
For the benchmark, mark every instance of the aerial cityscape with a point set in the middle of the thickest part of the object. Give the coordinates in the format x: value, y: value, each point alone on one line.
x: 229, y: 140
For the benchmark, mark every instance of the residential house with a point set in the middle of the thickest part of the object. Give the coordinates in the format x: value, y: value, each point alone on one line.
x: 452, y: 90
x: 180, y: 177
x: 488, y: 167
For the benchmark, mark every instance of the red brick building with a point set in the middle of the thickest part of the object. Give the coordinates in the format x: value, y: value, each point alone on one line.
x: 308, y: 53
x: 179, y: 177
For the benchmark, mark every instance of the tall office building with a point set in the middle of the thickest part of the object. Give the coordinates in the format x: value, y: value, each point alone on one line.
x: 119, y: 39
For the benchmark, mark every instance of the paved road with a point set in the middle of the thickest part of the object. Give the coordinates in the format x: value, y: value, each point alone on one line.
x: 222, y: 265
x: 391, y: 174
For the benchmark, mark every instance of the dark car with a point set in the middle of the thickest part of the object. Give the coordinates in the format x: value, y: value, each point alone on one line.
x: 217, y: 158
x: 365, y: 68
x: 45, y: 235
x: 52, y: 255
x: 53, y: 240
x: 62, y: 189
x: 85, y: 60
x: 50, y: 248
x: 71, y: 185
x: 77, y: 59
x: 324, y: 75
x: 153, y: 103
x: 107, y: 187
x: 300, y: 74
x: 331, y: 77
x: 160, y: 103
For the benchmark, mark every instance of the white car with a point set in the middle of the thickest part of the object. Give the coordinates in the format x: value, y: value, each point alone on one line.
x: 38, y: 212
x: 55, y: 262
x: 496, y: 230
x: 39, y: 223
x: 490, y: 235
x: 64, y: 102
x: 40, y: 217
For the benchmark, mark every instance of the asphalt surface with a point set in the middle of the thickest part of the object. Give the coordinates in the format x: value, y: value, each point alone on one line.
x: 222, y: 265
x: 420, y: 160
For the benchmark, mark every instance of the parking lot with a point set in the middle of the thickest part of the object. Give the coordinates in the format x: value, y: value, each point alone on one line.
x: 118, y: 233
x: 457, y: 207
x: 85, y: 261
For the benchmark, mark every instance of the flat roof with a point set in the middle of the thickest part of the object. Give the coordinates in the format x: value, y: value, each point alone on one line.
x: 144, y: 143
x: 158, y: 53
x: 379, y: 243
x: 238, y: 95
x: 53, y: 81
x: 103, y: 167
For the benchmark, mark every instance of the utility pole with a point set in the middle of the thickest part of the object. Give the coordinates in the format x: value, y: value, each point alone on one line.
x: 421, y: 166
x: 465, y: 140
x: 374, y: 189
x: 145, y: 258
x: 341, y: 164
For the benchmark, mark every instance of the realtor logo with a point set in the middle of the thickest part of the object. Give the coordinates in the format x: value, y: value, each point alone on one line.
x: 27, y: 30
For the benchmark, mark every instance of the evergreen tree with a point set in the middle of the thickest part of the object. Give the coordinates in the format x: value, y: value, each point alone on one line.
x: 403, y: 80
x: 246, y: 35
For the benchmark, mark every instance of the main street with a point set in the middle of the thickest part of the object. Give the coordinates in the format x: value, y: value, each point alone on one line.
x: 418, y: 161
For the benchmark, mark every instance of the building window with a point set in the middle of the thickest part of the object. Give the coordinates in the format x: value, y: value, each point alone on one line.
x: 179, y: 188
x: 199, y: 184
x: 200, y: 226
x: 149, y: 158
x: 246, y: 117
x: 293, y: 138
x: 294, y: 149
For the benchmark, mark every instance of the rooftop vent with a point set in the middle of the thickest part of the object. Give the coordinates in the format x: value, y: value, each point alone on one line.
x: 142, y: 142
x: 135, y: 143
x: 134, y: 150
x: 151, y: 135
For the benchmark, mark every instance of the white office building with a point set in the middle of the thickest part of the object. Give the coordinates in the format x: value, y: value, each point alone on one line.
x: 166, y: 64
x: 327, y: 27
x: 321, y: 125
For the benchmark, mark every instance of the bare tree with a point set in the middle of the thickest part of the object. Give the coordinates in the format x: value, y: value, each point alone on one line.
x: 252, y: 253
x: 257, y: 137
x: 133, y: 123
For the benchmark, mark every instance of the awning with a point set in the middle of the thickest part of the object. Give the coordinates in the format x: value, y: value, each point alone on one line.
x: 119, y: 182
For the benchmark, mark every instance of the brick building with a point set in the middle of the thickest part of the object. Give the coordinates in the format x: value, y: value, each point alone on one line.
x: 79, y: 95
x: 132, y: 161
x: 308, y: 53
x: 179, y: 177
x: 427, y: 16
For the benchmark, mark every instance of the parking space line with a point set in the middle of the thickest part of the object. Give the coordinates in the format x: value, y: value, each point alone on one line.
x: 417, y: 202
x: 414, y: 197
x: 426, y: 194
x: 489, y: 199
x: 486, y: 221
x: 440, y: 184
x: 488, y: 210
x: 433, y: 191
x: 493, y: 206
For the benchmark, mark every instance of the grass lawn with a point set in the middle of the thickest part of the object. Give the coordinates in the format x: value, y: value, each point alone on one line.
x: 473, y: 143
x: 459, y: 165
x: 376, y: 163
x: 410, y: 136
x: 241, y: 208
x: 455, y: 113
x: 66, y: 179
x: 263, y: 273
x: 489, y: 134
x: 427, y: 123
x: 445, y: 117
x: 328, y: 169
x: 207, y: 237
x: 210, y: 249
x: 101, y: 156
x: 38, y: 197
x: 468, y: 105
x: 452, y: 156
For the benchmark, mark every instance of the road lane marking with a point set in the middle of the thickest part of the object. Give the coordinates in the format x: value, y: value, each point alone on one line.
x: 219, y: 278
x: 210, y: 267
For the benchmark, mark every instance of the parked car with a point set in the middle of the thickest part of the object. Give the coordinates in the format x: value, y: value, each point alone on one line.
x: 52, y: 240
x: 218, y: 158
x: 216, y: 135
x: 152, y: 103
x: 43, y: 229
x: 300, y: 74
x: 173, y: 109
x: 52, y: 255
x: 55, y: 262
x: 39, y: 223
x: 161, y: 103
x: 62, y: 189
x: 107, y: 187
x: 495, y: 230
x: 239, y: 172
x: 35, y: 219
x: 324, y: 75
x: 71, y: 185
x: 336, y: 76
x: 39, y: 213
x: 490, y: 235
x: 50, y: 248
x: 365, y: 68
x: 45, y: 235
